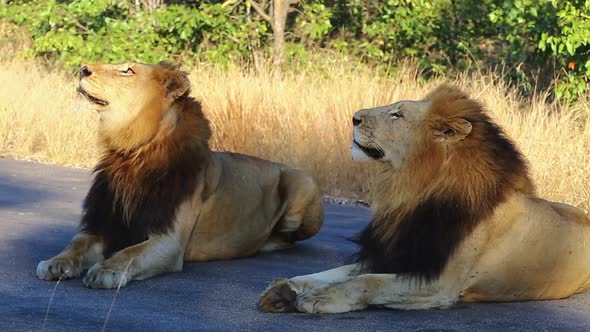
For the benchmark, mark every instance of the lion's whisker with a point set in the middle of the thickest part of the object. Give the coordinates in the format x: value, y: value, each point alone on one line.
x: 51, y: 301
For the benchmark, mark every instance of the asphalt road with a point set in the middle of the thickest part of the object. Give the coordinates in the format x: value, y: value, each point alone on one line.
x: 39, y: 211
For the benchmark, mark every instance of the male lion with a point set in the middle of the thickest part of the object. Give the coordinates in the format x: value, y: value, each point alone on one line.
x: 456, y: 220
x: 161, y: 197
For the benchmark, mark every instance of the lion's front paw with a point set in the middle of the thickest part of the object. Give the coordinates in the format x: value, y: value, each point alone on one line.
x: 278, y: 297
x: 56, y: 268
x: 329, y: 300
x: 100, y: 277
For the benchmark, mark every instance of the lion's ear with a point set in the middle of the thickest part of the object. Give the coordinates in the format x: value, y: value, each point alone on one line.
x: 452, y: 131
x: 177, y: 84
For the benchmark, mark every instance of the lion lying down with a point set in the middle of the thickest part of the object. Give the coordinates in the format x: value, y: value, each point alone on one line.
x: 161, y: 197
x: 456, y: 219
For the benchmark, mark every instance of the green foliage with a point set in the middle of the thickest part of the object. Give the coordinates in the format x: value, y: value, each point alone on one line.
x: 511, y: 36
x: 537, y: 44
x: 571, y: 47
x: 314, y: 22
x: 109, y: 30
x: 519, y: 26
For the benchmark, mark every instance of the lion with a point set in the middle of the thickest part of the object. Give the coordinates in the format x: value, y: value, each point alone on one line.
x: 456, y: 219
x: 161, y: 197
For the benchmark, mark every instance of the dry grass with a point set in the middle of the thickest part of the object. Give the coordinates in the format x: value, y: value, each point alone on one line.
x: 302, y: 119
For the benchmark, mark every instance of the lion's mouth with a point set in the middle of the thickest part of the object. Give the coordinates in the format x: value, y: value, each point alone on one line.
x: 371, y: 152
x: 91, y: 98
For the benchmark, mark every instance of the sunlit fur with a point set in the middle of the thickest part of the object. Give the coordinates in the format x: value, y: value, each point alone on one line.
x: 426, y: 207
x: 456, y: 219
x: 160, y: 195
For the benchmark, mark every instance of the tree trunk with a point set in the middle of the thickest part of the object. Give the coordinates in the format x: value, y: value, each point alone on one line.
x: 149, y: 5
x: 279, y: 20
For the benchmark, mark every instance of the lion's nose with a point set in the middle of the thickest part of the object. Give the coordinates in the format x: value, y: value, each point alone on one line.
x: 356, y: 122
x: 85, y: 71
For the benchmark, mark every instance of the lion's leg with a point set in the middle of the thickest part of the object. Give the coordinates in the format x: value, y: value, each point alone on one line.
x: 343, y: 289
x: 387, y: 290
x: 304, y: 214
x: 158, y: 254
x: 83, y: 251
x: 280, y: 295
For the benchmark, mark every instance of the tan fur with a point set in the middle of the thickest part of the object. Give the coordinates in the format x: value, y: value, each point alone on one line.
x: 238, y: 206
x: 525, y: 249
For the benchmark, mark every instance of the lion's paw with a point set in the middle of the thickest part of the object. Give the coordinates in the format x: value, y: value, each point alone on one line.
x: 278, y: 297
x: 56, y: 268
x: 100, y: 277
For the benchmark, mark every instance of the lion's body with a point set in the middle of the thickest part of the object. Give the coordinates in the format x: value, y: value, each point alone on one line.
x: 457, y: 219
x: 161, y: 197
x: 531, y: 249
x: 273, y: 199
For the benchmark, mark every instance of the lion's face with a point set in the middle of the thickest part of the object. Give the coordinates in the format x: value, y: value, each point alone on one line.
x: 386, y: 132
x: 119, y: 92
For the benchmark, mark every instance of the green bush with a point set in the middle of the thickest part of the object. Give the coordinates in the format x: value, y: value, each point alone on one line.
x: 571, y: 47
x: 510, y: 36
x: 79, y: 31
x: 537, y: 44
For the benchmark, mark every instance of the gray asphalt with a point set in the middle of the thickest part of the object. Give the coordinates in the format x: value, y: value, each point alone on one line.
x: 39, y: 210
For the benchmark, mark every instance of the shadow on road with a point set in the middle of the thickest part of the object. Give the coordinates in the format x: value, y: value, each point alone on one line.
x: 12, y: 193
x: 222, y: 296
x: 212, y: 296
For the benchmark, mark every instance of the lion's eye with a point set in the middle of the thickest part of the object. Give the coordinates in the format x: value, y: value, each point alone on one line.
x: 128, y: 71
x: 395, y: 115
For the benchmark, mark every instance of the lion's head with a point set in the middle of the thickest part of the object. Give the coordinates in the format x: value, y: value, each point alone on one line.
x: 395, y: 132
x: 445, y: 133
x: 121, y: 91
x: 135, y: 101
x: 153, y: 140
x: 445, y: 167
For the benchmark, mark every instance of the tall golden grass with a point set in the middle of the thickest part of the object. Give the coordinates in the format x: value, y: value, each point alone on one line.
x: 301, y: 119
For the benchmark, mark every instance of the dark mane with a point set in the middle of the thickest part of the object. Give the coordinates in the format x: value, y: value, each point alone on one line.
x: 136, y: 193
x: 428, y: 233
